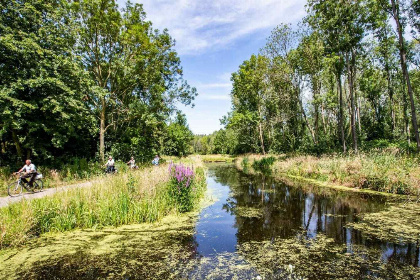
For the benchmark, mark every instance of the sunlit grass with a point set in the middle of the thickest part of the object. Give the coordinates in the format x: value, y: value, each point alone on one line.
x: 134, y: 197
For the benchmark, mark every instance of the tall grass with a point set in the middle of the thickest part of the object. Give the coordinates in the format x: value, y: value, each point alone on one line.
x: 136, y: 197
x: 382, y: 171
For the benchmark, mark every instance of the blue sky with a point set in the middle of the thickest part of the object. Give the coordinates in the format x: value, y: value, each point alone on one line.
x: 212, y: 39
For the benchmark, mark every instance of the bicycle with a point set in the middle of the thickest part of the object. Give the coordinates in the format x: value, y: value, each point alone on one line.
x: 16, y: 188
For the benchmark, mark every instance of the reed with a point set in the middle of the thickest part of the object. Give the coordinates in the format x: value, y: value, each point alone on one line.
x: 381, y: 171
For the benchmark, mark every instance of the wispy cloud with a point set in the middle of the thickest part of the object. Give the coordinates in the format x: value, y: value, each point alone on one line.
x: 215, y: 85
x: 202, y: 25
x: 214, y: 97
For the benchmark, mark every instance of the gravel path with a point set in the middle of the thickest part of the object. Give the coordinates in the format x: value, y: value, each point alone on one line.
x: 7, y: 200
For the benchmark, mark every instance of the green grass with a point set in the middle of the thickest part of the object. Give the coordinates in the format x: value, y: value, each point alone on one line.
x: 135, y: 197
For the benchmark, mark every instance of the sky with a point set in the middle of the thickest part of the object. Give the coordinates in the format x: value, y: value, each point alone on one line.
x: 213, y: 37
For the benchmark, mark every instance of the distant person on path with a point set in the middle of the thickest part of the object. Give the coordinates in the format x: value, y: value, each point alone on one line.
x: 30, y: 172
x: 110, y: 165
x: 155, y: 161
x: 132, y: 163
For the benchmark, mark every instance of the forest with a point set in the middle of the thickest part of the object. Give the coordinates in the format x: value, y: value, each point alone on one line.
x: 81, y: 79
x: 346, y: 79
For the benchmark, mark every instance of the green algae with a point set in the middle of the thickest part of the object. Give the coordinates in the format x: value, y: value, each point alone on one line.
x: 143, y: 244
x: 322, y: 258
x: 248, y: 212
x: 399, y: 223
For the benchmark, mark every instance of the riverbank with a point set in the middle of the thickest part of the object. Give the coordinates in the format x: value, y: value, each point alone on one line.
x: 375, y: 173
x: 134, y: 197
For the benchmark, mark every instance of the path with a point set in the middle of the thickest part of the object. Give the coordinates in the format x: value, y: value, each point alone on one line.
x: 7, y: 200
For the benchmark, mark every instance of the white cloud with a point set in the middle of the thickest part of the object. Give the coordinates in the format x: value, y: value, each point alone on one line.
x: 215, y: 85
x: 202, y: 25
x: 214, y: 97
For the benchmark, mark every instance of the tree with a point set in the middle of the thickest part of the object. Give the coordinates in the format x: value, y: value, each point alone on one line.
x: 249, y: 94
x: 133, y: 66
x: 42, y: 85
x: 178, y: 137
x: 396, y: 14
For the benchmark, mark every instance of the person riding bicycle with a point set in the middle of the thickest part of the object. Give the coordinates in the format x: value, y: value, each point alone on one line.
x: 110, y: 165
x: 132, y: 163
x: 30, y: 172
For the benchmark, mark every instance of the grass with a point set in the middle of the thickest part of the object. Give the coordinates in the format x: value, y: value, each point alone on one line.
x: 384, y: 172
x: 217, y: 158
x: 135, y: 197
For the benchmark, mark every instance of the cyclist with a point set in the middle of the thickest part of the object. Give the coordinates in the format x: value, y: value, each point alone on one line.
x: 30, y: 172
x: 110, y: 165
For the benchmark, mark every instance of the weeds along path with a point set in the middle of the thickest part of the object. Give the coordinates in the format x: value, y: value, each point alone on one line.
x: 7, y: 200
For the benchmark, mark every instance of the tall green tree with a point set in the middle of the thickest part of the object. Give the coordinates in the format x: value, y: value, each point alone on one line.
x: 133, y: 66
x: 42, y: 85
x: 248, y: 95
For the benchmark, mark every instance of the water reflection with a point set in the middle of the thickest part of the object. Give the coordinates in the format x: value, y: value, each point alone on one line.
x: 264, y: 209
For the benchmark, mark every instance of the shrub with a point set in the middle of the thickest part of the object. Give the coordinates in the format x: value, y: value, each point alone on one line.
x: 263, y: 164
x: 180, y: 186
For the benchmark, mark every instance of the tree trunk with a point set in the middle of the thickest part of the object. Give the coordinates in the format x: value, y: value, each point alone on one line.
x: 307, y: 122
x: 395, y: 11
x: 261, y: 138
x: 17, y: 144
x: 316, y: 119
x: 341, y: 113
x: 102, y: 133
x: 359, y: 122
x: 350, y: 75
x: 391, y: 97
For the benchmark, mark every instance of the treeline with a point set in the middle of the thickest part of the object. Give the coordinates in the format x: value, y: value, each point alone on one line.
x: 83, y: 78
x: 346, y: 78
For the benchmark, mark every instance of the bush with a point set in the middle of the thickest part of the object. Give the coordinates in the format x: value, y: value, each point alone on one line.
x: 180, y: 186
x: 263, y: 164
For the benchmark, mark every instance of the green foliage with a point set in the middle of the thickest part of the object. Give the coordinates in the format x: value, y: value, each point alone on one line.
x: 263, y: 164
x: 178, y: 137
x: 318, y: 87
x: 71, y: 71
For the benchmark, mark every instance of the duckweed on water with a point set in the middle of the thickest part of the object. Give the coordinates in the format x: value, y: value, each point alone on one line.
x: 322, y: 258
x: 248, y: 212
x: 399, y: 223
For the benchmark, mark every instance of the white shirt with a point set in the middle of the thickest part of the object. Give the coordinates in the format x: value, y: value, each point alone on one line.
x: 132, y: 162
x: 110, y: 162
x: 29, y: 168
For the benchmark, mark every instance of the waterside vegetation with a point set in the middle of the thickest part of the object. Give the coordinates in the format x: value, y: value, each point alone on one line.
x: 383, y: 172
x: 135, y: 197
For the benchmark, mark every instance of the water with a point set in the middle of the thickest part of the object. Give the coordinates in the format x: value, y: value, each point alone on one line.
x: 256, y: 227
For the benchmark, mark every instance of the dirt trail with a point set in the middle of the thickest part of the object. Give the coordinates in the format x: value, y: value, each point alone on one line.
x: 7, y: 200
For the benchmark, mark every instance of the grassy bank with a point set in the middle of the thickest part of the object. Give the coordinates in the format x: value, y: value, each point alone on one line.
x: 217, y: 158
x: 381, y: 171
x: 134, y: 197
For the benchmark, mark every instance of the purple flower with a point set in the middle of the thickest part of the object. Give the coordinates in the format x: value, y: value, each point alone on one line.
x: 182, y: 174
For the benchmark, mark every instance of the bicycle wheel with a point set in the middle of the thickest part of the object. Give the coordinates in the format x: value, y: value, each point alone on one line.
x: 38, y: 185
x: 14, y: 189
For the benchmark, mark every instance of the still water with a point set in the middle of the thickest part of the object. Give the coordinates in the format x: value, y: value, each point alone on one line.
x: 256, y: 228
